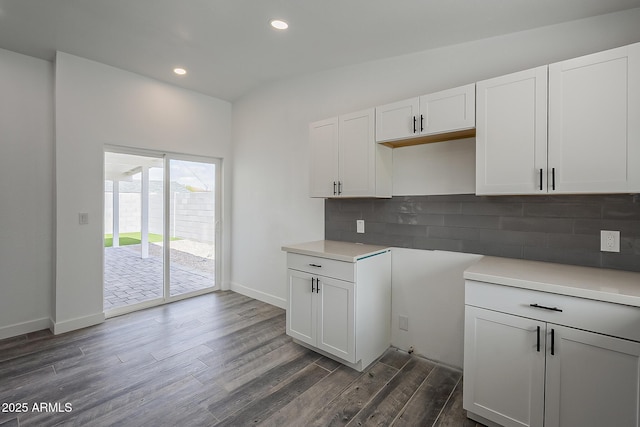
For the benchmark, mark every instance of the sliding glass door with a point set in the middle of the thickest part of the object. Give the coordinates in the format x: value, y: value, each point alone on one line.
x: 161, y: 240
x: 134, y: 229
x: 193, y: 216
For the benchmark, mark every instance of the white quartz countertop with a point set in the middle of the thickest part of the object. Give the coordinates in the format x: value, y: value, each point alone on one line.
x: 601, y: 284
x: 340, y: 251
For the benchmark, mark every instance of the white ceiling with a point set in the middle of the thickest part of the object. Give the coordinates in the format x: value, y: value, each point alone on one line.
x: 229, y: 49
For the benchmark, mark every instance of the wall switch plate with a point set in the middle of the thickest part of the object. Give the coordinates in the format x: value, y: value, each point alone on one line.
x: 404, y: 323
x: 360, y: 226
x: 83, y: 218
x: 609, y: 241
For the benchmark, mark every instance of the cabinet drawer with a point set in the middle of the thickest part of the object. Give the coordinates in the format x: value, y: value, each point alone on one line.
x: 322, y: 266
x: 598, y: 316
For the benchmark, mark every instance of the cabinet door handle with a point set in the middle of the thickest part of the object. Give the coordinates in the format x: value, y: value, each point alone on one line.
x: 414, y: 124
x: 553, y: 343
x: 553, y: 178
x: 540, y: 179
x: 421, y: 122
x: 339, y: 188
x: 312, y: 288
x: 538, y: 340
x: 315, y: 265
x: 317, y: 286
x: 545, y: 307
x: 334, y: 187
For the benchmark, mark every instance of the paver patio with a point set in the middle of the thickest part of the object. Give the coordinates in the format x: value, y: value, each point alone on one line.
x: 131, y: 279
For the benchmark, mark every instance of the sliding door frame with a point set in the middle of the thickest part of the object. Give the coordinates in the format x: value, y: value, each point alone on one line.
x: 167, y: 156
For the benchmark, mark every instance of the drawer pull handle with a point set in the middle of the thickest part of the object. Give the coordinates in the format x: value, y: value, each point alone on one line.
x: 545, y: 308
x: 538, y: 340
x: 315, y: 265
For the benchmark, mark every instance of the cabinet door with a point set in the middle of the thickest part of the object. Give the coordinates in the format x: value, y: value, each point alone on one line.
x: 301, y: 312
x: 323, y: 158
x: 398, y: 120
x: 511, y: 133
x: 357, y: 155
x: 594, y: 131
x: 503, y: 367
x: 336, y: 318
x: 591, y: 380
x: 448, y: 111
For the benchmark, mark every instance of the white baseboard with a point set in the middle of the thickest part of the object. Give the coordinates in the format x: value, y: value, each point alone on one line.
x: 260, y: 296
x: 24, y: 328
x: 77, y: 323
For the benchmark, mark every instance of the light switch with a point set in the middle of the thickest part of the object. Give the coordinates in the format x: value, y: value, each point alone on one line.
x: 360, y: 226
x: 83, y: 218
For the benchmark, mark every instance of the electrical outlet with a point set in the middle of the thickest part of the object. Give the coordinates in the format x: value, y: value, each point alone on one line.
x: 609, y: 241
x: 360, y: 226
x: 403, y: 323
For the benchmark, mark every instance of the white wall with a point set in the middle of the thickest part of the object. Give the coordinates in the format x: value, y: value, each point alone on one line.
x: 271, y: 206
x: 428, y: 288
x: 26, y: 193
x: 98, y: 105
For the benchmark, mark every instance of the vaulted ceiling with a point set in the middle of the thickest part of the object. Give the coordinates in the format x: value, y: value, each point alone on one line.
x: 229, y: 49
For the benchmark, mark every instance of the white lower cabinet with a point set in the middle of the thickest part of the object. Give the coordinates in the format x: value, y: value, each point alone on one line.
x: 321, y: 313
x: 524, y: 367
x: 341, y: 309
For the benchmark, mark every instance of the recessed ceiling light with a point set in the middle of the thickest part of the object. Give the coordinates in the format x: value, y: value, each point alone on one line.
x: 279, y: 24
x: 180, y: 71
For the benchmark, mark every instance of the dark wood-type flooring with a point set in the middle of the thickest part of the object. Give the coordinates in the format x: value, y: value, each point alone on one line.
x: 218, y: 359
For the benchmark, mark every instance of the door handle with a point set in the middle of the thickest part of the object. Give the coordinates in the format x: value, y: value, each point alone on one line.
x: 538, y: 340
x: 540, y: 179
x: 312, y: 288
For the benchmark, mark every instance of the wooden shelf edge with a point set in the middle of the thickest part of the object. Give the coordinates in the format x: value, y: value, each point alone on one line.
x: 429, y: 139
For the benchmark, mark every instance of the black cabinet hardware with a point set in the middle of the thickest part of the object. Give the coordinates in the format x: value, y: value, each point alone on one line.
x: 312, y: 288
x: 540, y: 178
x: 553, y: 339
x: 317, y: 286
x: 339, y: 188
x: 553, y: 178
x: 538, y: 340
x: 315, y: 265
x: 414, y: 124
x: 545, y: 307
x: 334, y: 188
x: 421, y: 122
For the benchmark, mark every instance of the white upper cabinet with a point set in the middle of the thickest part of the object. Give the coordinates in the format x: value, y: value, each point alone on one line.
x: 594, y: 126
x: 448, y: 111
x: 345, y: 161
x: 323, y: 154
x: 357, y: 154
x: 511, y: 133
x: 591, y: 143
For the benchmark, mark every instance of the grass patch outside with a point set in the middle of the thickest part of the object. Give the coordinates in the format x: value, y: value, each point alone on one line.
x: 133, y: 239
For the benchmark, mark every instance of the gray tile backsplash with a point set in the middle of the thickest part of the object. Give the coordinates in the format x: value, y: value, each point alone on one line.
x: 563, y: 229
